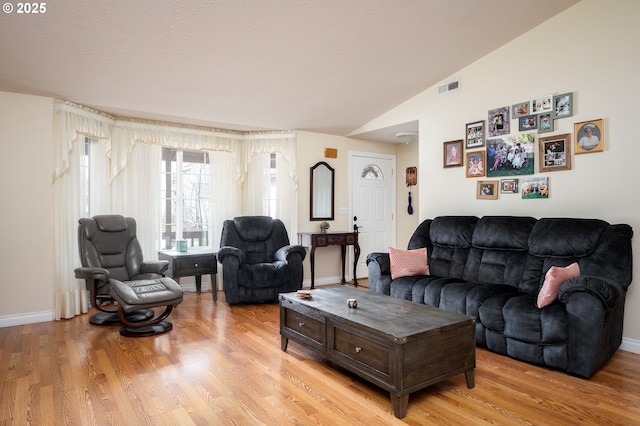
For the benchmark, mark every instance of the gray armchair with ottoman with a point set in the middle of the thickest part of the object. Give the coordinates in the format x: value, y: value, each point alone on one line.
x: 114, y: 271
x: 258, y: 263
x: 546, y: 291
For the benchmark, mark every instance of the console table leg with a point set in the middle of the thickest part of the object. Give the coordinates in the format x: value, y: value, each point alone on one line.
x: 399, y: 404
x: 198, y: 284
x: 284, y: 341
x: 343, y: 251
x: 470, y: 376
x: 356, y: 256
x: 312, y: 262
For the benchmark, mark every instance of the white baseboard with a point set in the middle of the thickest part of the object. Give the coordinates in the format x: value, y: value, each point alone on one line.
x: 630, y: 345
x: 322, y: 281
x: 23, y: 319
x: 191, y: 288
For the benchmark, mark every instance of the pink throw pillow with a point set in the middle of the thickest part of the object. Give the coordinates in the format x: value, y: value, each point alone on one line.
x: 406, y: 263
x: 555, y: 277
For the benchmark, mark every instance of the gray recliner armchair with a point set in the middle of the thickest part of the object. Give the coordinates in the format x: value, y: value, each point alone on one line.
x: 258, y: 263
x: 114, y: 271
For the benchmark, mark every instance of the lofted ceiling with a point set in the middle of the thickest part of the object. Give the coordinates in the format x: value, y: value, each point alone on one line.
x: 327, y: 66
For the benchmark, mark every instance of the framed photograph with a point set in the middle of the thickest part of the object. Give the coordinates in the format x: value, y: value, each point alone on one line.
x: 545, y: 122
x: 521, y: 109
x: 511, y: 155
x: 487, y: 190
x: 589, y: 136
x: 509, y: 186
x: 475, y: 134
x: 475, y: 164
x: 528, y: 123
x: 555, y: 153
x: 542, y: 104
x: 452, y: 154
x: 498, y: 121
x: 563, y: 105
x: 535, y: 188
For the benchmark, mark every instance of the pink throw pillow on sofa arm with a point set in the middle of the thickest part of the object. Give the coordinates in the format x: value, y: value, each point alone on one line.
x: 406, y: 263
x: 555, y: 277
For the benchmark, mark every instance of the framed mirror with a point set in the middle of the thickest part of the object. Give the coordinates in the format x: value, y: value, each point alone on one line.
x: 322, y: 192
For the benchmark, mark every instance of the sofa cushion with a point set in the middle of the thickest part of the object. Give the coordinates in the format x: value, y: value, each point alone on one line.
x: 267, y: 275
x: 450, y: 244
x: 524, y: 322
x: 452, y: 231
x: 553, y: 279
x: 565, y: 238
x: 254, y: 228
x: 503, y: 232
x: 405, y: 263
x: 500, y: 250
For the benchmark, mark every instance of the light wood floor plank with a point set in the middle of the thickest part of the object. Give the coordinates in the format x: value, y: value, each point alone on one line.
x: 222, y: 365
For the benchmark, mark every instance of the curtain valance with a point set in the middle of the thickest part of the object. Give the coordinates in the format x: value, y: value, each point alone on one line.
x: 122, y: 134
x: 69, y: 122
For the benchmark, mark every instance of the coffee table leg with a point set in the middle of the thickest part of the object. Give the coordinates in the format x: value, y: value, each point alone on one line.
x: 470, y: 376
x: 399, y: 404
x: 283, y: 343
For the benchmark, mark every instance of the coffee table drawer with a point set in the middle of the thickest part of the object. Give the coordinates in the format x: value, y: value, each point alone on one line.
x: 304, y: 325
x: 362, y: 350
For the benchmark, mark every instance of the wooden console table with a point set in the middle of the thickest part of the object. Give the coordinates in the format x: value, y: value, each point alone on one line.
x: 311, y: 240
x: 190, y: 263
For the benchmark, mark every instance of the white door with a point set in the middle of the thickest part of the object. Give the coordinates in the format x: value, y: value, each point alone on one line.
x: 372, y: 202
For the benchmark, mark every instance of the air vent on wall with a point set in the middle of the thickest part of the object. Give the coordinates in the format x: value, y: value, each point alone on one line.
x: 449, y: 87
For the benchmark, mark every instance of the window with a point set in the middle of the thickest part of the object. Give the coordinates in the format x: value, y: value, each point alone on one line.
x: 93, y: 179
x: 270, y: 200
x: 186, y: 207
x: 85, y: 173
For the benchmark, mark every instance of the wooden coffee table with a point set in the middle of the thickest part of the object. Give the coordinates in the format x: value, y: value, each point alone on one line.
x: 398, y: 345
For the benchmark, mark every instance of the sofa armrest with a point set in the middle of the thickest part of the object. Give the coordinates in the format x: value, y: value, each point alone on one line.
x: 595, y: 315
x: 90, y: 273
x: 382, y: 260
x: 154, y: 267
x: 230, y: 252
x: 608, y: 291
x: 96, y: 281
x: 379, y: 273
x: 284, y: 253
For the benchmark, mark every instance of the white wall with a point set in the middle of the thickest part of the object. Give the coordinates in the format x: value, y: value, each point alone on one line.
x: 590, y: 50
x: 26, y: 251
x: 311, y: 148
x: 406, y: 224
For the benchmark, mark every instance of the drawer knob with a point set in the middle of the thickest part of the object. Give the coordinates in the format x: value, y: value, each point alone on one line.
x: 358, y: 349
x: 195, y: 264
x: 301, y: 324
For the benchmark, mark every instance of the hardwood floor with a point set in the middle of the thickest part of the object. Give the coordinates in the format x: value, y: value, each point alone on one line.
x: 223, y: 365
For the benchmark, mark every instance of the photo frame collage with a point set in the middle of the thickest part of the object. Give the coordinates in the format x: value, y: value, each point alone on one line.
x: 491, y: 148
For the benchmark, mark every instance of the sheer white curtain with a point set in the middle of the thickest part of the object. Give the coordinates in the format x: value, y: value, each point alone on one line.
x: 257, y: 149
x: 71, y: 125
x: 125, y: 164
x: 225, y: 192
x: 257, y: 185
x: 136, y: 193
x: 286, y: 201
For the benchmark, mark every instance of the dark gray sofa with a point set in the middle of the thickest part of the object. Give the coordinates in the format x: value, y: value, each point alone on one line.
x: 493, y: 268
